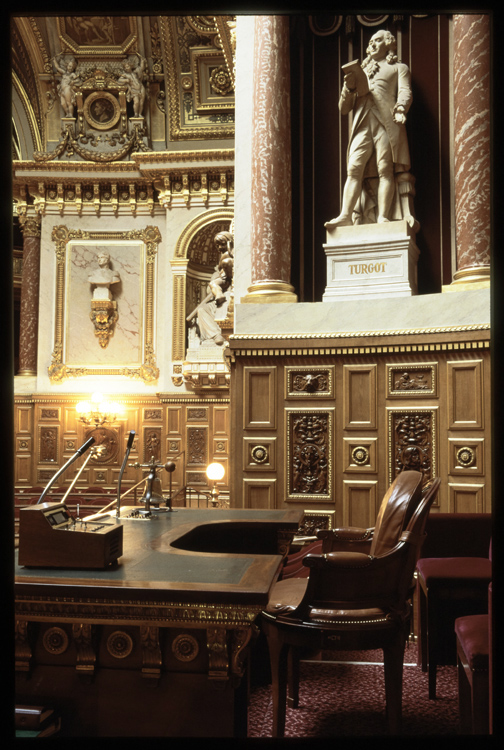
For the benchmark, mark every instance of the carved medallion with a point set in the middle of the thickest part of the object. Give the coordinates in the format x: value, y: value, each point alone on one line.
x: 55, y: 640
x: 185, y: 647
x: 360, y: 455
x: 119, y: 644
x: 108, y: 443
x: 466, y: 456
x: 259, y: 454
x: 102, y: 110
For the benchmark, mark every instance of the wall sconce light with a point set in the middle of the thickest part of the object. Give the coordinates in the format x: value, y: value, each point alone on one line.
x: 215, y: 472
x: 97, y: 411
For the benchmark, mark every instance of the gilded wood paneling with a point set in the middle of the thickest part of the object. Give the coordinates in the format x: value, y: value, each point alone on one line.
x: 259, y: 454
x: 465, y: 396
x: 360, y: 455
x: 359, y: 389
x: 309, y: 463
x: 259, y: 387
x: 467, y: 456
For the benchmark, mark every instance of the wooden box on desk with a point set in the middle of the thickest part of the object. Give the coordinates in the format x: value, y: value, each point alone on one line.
x: 50, y: 538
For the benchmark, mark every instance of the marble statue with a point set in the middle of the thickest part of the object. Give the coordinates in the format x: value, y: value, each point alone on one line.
x: 133, y: 78
x: 204, y: 315
x: 66, y: 87
x: 378, y: 159
x: 103, y: 278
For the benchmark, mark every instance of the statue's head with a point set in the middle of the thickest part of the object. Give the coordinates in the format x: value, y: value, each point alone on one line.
x: 382, y: 44
x: 223, y: 240
x: 103, y: 259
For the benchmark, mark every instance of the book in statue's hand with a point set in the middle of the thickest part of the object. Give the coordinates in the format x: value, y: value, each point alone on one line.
x: 361, y: 80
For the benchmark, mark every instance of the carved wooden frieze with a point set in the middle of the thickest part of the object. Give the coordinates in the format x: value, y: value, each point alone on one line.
x: 412, y: 380
x: 314, y: 520
x: 309, y: 454
x: 412, y: 441
x: 309, y: 382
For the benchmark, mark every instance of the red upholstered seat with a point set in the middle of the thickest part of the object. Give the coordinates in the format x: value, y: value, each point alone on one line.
x: 452, y: 581
x: 474, y: 635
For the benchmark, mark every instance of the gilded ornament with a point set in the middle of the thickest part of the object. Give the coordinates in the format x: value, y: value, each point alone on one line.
x: 466, y: 456
x: 259, y: 454
x: 220, y: 81
x: 360, y: 455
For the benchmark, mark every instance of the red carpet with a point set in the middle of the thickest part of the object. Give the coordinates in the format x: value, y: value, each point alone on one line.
x: 349, y: 700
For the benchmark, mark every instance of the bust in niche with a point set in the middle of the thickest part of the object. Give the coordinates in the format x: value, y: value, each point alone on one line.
x: 102, y: 278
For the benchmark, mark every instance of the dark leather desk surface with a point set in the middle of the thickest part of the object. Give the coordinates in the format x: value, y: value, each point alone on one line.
x: 225, y: 555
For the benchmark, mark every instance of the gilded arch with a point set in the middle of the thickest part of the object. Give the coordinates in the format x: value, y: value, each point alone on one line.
x: 179, y: 265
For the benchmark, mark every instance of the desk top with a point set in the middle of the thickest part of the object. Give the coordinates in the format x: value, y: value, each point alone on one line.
x: 212, y: 555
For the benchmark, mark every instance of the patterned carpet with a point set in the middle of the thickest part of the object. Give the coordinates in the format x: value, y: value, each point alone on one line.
x: 349, y: 700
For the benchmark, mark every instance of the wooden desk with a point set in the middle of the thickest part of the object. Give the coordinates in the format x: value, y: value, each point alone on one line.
x: 157, y: 644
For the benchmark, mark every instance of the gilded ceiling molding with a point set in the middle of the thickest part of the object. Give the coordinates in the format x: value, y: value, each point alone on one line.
x: 148, y: 371
x: 72, y: 37
x: 181, y: 87
x: 29, y: 111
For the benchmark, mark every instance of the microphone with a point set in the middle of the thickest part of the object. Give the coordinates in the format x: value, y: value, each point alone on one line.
x: 70, y: 461
x: 125, y: 460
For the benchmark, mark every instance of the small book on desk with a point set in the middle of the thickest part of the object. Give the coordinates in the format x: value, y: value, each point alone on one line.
x: 360, y: 77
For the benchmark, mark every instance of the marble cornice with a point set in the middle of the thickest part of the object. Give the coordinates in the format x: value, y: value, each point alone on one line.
x: 357, y: 334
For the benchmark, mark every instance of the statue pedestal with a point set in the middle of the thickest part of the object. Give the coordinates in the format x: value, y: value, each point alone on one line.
x: 371, y: 261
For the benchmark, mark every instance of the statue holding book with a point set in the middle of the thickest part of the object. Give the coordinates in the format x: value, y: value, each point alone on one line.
x: 379, y: 186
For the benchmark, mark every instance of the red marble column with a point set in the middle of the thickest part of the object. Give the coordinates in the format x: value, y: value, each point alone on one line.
x: 271, y: 164
x: 471, y: 95
x: 28, y: 330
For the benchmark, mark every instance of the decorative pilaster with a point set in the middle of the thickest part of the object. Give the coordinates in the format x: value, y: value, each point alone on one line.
x: 271, y: 164
x: 471, y: 86
x: 28, y: 336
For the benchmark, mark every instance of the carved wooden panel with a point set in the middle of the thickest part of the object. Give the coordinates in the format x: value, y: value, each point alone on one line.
x: 315, y: 520
x: 359, y: 503
x: 259, y: 398
x: 360, y: 455
x: 152, y: 444
x: 49, y: 444
x: 465, y: 395
x: 309, y: 461
x: 466, y: 498
x: 309, y: 382
x: 259, y: 493
x: 412, y: 441
x: 417, y: 380
x: 197, y: 414
x: 359, y: 388
x: 259, y: 454
x: 197, y: 445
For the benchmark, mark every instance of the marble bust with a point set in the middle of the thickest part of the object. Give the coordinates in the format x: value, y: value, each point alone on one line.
x: 103, y: 278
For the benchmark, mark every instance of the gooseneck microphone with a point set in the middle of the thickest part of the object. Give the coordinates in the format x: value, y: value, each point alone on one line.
x: 70, y: 461
x: 126, y: 455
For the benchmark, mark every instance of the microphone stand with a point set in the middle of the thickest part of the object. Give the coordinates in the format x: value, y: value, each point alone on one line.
x: 126, y: 455
x: 70, y: 461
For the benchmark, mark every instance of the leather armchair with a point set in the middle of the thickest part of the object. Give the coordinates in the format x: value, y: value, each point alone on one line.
x: 353, y: 599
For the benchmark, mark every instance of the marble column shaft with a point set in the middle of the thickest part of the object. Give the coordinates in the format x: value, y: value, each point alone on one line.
x: 28, y: 329
x: 271, y: 156
x: 471, y: 93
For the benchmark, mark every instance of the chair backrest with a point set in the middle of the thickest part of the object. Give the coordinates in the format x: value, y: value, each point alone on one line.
x: 398, y: 505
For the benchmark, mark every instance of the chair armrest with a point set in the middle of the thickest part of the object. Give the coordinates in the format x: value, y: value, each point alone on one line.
x: 346, y: 539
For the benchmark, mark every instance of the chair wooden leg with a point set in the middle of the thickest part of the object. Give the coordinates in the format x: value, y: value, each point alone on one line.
x: 431, y: 653
x: 293, y: 680
x: 422, y: 627
x: 278, y: 652
x: 393, y: 658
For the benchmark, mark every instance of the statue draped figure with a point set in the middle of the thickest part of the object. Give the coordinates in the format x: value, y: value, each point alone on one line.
x: 379, y: 186
x: 203, y: 317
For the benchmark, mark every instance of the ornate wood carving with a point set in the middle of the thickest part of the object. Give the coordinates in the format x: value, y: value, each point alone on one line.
x: 309, y: 381
x: 83, y: 637
x: 197, y: 445
x: 412, y: 435
x: 309, y: 454
x: 151, y: 652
